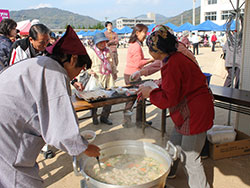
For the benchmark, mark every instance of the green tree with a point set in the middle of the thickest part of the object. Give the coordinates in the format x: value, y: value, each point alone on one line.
x: 100, y: 26
x: 97, y: 26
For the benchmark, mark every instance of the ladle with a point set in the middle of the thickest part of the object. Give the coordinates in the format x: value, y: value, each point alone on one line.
x: 98, y: 161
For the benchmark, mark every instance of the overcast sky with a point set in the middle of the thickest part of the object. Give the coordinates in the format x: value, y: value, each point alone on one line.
x: 112, y: 9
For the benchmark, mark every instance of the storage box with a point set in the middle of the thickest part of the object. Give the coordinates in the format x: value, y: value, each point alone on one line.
x: 241, y: 146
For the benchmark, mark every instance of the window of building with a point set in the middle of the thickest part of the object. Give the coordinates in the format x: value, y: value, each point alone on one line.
x: 210, y: 15
x: 242, y: 12
x: 225, y: 14
x: 210, y: 2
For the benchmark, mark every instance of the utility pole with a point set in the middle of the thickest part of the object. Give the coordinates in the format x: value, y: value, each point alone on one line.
x: 194, y: 12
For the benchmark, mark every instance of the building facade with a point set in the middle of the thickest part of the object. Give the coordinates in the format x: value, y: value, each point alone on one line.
x: 217, y: 11
x: 131, y: 22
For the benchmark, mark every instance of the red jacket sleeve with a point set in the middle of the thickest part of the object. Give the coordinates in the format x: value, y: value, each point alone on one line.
x: 168, y: 94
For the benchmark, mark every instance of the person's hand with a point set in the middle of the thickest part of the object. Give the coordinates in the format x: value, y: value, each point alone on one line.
x: 158, y: 82
x: 78, y: 86
x: 144, y: 91
x: 92, y: 72
x: 135, y: 76
x: 92, y: 151
x: 150, y: 61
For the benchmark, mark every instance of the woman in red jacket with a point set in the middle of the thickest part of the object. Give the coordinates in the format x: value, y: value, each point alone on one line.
x: 185, y: 92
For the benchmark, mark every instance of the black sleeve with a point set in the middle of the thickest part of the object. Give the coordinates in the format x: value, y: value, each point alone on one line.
x: 74, y: 81
x: 14, y: 46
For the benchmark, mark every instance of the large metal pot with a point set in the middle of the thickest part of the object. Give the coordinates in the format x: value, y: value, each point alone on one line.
x: 129, y: 147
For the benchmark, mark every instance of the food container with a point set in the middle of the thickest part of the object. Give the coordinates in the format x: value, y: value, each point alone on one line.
x: 120, y: 90
x: 128, y: 147
x: 88, y: 135
x: 92, y: 96
x: 131, y: 91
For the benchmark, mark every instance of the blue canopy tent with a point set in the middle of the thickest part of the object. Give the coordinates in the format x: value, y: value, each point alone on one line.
x: 94, y: 32
x: 172, y: 26
x: 185, y: 27
x: 119, y: 32
x: 150, y: 27
x: 80, y: 32
x: 105, y: 29
x: 116, y: 30
x: 125, y: 30
x: 206, y: 26
x: 87, y: 33
x: 224, y: 26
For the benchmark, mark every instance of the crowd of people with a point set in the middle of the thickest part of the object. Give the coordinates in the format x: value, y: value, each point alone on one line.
x: 40, y: 68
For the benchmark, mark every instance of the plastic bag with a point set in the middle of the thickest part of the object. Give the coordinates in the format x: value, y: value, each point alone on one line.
x: 92, y: 84
x: 221, y: 128
x: 151, y: 84
x: 84, y: 78
x: 221, y: 137
x: 220, y: 134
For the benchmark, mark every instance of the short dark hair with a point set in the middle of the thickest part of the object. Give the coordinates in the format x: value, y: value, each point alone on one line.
x: 38, y: 29
x: 108, y: 22
x: 6, y: 25
x: 133, y: 36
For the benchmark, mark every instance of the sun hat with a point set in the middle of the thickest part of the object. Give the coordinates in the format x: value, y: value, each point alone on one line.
x: 69, y: 43
x: 99, y: 37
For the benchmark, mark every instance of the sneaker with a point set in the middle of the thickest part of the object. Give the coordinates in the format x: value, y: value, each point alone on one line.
x: 48, y: 154
x: 204, y: 156
x: 105, y: 121
x: 149, y: 123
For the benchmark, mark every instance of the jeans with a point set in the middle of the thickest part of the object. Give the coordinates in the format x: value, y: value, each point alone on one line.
x: 190, y: 148
x: 213, y: 45
x: 196, y: 47
x: 105, y: 112
x: 129, y: 105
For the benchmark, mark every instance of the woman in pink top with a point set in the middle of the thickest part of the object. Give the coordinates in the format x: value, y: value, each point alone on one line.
x: 135, y: 57
x: 135, y: 62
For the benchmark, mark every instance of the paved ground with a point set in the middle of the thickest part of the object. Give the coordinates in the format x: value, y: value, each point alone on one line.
x: 225, y: 173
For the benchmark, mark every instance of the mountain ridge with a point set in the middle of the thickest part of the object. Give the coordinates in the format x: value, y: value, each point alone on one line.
x: 56, y: 18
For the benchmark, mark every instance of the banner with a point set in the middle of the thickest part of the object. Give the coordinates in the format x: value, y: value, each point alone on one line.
x: 4, y: 14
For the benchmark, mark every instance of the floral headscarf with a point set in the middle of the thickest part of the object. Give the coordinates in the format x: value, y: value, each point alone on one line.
x: 162, y: 40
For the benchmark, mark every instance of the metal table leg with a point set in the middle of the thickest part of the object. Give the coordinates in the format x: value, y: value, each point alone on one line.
x: 163, y: 122
x: 143, y: 115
